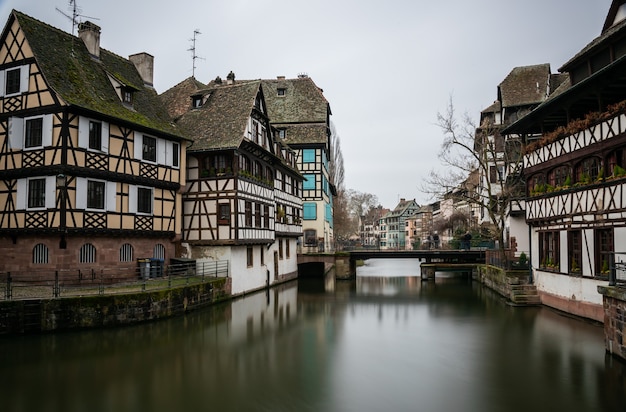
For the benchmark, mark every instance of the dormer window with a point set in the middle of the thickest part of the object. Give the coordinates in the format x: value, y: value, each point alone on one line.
x: 127, y: 95
x: 196, y: 101
x: 282, y: 91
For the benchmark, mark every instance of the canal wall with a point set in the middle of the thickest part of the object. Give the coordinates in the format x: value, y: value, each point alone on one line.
x: 512, y: 284
x: 59, y: 314
x: 614, y: 303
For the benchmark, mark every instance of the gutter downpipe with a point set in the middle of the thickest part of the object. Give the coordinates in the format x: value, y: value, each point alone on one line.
x: 530, y: 257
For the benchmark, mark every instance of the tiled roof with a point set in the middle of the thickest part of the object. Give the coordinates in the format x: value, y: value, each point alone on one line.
x: 221, y: 121
x: 177, y: 99
x: 303, y: 101
x: 526, y: 85
x: 82, y: 81
x: 302, y: 134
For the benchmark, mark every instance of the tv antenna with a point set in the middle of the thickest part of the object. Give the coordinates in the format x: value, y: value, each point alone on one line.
x: 75, y: 14
x: 192, y: 49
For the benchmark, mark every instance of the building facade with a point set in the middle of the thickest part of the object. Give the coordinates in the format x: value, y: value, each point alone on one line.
x: 91, y: 169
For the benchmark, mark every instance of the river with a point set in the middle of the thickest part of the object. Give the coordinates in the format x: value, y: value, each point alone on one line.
x: 385, y: 342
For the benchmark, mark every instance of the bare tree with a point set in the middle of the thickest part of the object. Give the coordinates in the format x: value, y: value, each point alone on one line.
x: 336, y: 172
x: 467, y: 148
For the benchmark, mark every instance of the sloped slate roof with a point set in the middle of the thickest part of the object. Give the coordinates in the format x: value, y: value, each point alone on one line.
x: 302, y: 134
x: 221, y: 121
x: 526, y: 85
x: 81, y: 81
x: 177, y: 100
x: 303, y: 101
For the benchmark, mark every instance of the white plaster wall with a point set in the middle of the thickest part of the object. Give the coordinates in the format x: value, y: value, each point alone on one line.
x: 244, y: 278
x: 569, y: 287
x: 519, y: 229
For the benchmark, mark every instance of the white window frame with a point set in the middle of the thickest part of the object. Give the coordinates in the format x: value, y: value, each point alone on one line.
x: 133, y: 198
x: 83, y: 134
x: 110, y: 201
x: 24, y: 80
x: 19, y: 124
x: 22, y: 193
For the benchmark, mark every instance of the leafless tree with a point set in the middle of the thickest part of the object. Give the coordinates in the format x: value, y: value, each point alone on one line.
x: 467, y: 148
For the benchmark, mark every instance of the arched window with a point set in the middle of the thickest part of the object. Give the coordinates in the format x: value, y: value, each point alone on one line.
x: 159, y: 251
x: 244, y: 164
x: 126, y: 253
x: 269, y: 175
x: 559, y: 176
x: 588, y: 170
x: 536, y: 184
x: 257, y: 170
x: 40, y: 254
x: 87, y: 253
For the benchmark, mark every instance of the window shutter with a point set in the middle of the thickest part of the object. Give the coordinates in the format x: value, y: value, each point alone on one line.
x: 160, y: 150
x: 22, y: 194
x: 138, y: 146
x: 132, y: 199
x: 105, y: 137
x: 83, y: 132
x: 111, y: 195
x: 46, y: 138
x: 81, y: 193
x: 24, y: 75
x: 2, y: 75
x: 16, y: 132
x: 51, y: 192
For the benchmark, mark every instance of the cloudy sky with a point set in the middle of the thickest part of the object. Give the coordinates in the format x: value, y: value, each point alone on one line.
x: 386, y: 67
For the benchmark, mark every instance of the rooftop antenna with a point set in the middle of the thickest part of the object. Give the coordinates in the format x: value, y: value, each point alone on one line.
x: 192, y: 49
x: 73, y: 7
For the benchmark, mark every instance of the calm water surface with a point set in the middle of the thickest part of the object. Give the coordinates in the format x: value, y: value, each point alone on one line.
x: 386, y: 342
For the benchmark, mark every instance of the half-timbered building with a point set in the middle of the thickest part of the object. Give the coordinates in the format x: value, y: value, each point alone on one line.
x: 574, y: 166
x: 91, y: 168
x: 299, y: 111
x: 242, y: 201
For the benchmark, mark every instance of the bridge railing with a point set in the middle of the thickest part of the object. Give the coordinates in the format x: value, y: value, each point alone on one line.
x: 508, y: 259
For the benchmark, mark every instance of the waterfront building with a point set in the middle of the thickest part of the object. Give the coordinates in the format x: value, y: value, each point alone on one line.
x: 420, y: 227
x: 299, y: 111
x: 574, y: 166
x: 393, y: 225
x: 242, y: 200
x: 91, y: 168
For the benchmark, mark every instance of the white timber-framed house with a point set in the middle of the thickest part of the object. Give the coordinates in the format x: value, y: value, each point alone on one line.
x: 299, y: 111
x: 91, y: 168
x: 574, y: 167
x: 242, y: 202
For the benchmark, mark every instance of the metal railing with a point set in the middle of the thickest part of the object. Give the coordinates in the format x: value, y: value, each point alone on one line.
x: 508, y: 259
x: 617, y: 271
x: 147, y: 276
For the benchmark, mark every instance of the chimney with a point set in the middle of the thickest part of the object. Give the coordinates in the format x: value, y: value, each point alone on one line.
x: 90, y: 34
x: 230, y: 79
x: 280, y: 77
x: 144, y: 63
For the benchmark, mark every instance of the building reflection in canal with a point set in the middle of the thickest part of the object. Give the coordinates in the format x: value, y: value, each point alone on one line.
x: 376, y: 343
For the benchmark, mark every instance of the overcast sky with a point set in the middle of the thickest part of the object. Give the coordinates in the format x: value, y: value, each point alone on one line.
x: 386, y: 67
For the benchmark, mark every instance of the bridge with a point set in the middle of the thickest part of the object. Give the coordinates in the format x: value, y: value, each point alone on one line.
x: 344, y: 263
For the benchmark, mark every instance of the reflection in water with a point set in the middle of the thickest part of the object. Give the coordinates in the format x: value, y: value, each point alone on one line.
x: 378, y: 343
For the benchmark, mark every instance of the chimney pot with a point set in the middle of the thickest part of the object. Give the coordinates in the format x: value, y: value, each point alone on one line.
x: 90, y: 34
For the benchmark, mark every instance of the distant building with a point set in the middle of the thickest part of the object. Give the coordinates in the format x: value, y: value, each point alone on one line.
x: 393, y: 225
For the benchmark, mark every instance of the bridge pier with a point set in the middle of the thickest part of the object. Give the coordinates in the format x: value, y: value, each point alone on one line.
x: 428, y: 272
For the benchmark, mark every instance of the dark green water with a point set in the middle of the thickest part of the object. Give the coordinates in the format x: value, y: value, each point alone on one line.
x: 386, y: 342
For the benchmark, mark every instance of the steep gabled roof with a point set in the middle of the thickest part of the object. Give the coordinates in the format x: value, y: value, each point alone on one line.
x: 303, y: 101
x: 81, y: 81
x: 177, y: 99
x: 220, y: 123
x: 525, y: 86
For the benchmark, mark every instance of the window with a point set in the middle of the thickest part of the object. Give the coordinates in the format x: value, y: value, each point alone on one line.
x: 574, y: 249
x: 248, y: 214
x: 87, y: 253
x: 496, y: 174
x: 223, y: 217
x: 262, y: 256
x: 127, y: 95
x: 175, y: 154
x: 34, y: 132
x: 266, y: 217
x: 257, y: 215
x: 549, y: 250
x: 244, y: 163
x: 144, y: 200
x: 310, y: 237
x: 280, y: 249
x: 159, y: 251
x: 13, y: 81
x: 603, y: 246
x: 308, y: 155
x: 148, y: 149
x: 40, y: 254
x: 281, y: 133
x: 95, y: 135
x: 309, y: 211
x: 95, y: 194
x: 558, y: 176
x: 287, y: 251
x: 587, y: 171
x: 281, y: 91
x: 196, y: 101
x: 250, y: 256
x: 126, y: 252
x: 36, y: 193
x: 309, y: 182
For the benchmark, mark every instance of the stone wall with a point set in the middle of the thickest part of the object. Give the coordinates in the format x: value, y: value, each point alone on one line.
x: 614, y: 302
x: 47, y: 315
